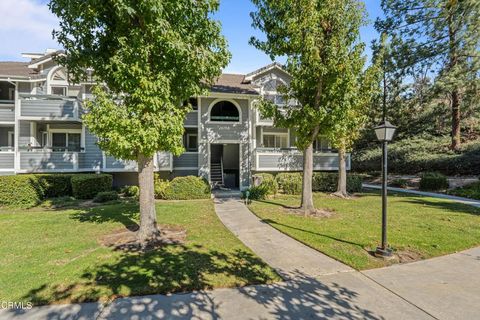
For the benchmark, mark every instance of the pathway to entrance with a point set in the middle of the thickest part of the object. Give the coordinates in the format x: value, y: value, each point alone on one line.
x: 314, y: 287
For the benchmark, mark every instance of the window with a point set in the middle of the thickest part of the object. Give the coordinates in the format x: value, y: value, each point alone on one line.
x: 275, y: 141
x: 63, y: 141
x: 60, y: 91
x: 191, y: 143
x: 224, y: 111
x: 322, y: 145
x: 193, y: 102
x: 271, y: 85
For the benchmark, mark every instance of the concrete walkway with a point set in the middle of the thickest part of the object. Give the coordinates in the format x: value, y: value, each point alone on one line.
x: 315, y: 286
x: 470, y: 202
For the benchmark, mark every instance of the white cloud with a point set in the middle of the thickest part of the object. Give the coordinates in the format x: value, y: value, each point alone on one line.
x: 25, y: 26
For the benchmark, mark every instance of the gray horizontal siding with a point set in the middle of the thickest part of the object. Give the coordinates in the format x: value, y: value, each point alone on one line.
x: 186, y: 160
x: 118, y: 164
x: 294, y: 162
x: 48, y: 108
x: 7, y: 161
x: 191, y: 119
x: 7, y: 113
x: 40, y: 161
x: 163, y: 161
x: 92, y: 157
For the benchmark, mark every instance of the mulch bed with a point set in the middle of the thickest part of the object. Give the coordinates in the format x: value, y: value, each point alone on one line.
x: 126, y: 240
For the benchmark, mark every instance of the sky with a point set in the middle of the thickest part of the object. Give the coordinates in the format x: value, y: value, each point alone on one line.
x: 26, y: 26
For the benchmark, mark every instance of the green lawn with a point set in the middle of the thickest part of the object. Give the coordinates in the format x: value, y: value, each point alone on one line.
x: 54, y: 255
x: 420, y: 227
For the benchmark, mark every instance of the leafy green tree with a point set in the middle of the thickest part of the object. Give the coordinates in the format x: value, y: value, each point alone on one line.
x: 441, y: 37
x: 316, y: 37
x: 147, y: 57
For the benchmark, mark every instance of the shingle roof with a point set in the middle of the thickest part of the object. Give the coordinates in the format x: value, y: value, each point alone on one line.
x: 16, y: 69
x: 233, y: 83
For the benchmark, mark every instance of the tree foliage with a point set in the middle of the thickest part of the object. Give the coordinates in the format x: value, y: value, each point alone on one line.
x: 438, y: 40
x: 151, y: 55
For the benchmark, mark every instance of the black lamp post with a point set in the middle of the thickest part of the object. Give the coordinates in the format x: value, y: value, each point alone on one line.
x: 384, y: 134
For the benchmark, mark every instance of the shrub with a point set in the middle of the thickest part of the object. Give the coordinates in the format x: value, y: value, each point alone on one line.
x: 433, y: 181
x: 268, y: 182
x: 161, y: 187
x: 86, y: 186
x: 420, y: 154
x: 328, y: 181
x: 399, y: 183
x: 187, y: 188
x: 56, y: 185
x: 289, y: 182
x: 256, y: 193
x: 471, y: 191
x: 131, y: 191
x: 106, y: 196
x: 23, y: 191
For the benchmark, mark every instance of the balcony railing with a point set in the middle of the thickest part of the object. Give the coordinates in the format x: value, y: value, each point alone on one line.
x: 49, y: 107
x: 267, y: 159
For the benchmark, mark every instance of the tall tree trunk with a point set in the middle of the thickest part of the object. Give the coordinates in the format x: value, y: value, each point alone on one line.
x: 342, y: 174
x: 456, y: 141
x: 307, y: 197
x: 148, y: 218
x: 452, y: 37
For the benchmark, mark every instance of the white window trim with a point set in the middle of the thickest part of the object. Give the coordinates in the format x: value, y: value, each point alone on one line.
x: 235, y: 103
x: 263, y: 133
x: 67, y: 131
x: 60, y: 86
x: 188, y: 135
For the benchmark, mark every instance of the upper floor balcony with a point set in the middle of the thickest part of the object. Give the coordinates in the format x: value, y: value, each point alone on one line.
x: 49, y: 107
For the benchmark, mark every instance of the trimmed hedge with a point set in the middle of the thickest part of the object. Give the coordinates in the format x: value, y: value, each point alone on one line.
x: 106, y: 196
x: 23, y: 191
x: 433, y: 181
x: 328, y: 181
x: 183, y: 188
x: 268, y: 182
x: 291, y: 183
x: 86, y: 186
x: 56, y: 185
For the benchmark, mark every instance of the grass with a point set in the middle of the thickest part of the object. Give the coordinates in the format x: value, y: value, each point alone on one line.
x: 420, y: 227
x: 471, y: 191
x: 53, y: 255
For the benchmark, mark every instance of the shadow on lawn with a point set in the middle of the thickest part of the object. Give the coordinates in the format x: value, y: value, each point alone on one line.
x: 272, y: 222
x: 173, y: 268
x: 126, y: 214
x: 445, y: 205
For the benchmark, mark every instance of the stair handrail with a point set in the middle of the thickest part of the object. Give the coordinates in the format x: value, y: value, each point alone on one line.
x: 221, y: 167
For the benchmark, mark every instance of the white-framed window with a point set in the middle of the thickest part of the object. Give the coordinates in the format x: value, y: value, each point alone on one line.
x: 191, y: 142
x: 66, y: 141
x: 59, y: 90
x: 276, y: 141
x: 322, y: 145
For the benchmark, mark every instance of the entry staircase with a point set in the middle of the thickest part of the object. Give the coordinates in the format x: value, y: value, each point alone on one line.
x: 216, y: 174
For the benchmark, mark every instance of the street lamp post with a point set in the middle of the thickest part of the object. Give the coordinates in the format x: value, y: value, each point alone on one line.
x: 384, y: 133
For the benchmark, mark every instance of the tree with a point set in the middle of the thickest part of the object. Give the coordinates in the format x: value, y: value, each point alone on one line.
x: 349, y: 117
x: 316, y: 36
x: 443, y: 37
x: 150, y: 56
